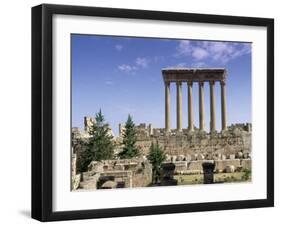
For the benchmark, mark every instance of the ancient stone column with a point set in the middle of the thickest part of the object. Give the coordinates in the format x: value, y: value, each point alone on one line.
x: 167, y: 106
x: 201, y: 107
x: 223, y: 106
x: 212, y: 107
x: 179, y: 106
x: 190, y: 107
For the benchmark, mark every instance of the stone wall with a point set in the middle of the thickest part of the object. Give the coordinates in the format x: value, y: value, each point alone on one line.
x: 195, y: 166
x: 229, y: 142
x: 230, y: 149
x: 128, y: 172
x: 236, y: 140
x: 75, y: 178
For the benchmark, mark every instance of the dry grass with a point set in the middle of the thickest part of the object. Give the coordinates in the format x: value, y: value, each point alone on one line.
x: 219, y: 178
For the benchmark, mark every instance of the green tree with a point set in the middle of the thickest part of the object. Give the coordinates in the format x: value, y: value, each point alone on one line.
x: 247, y: 175
x: 156, y: 156
x: 101, y: 141
x: 101, y: 145
x: 83, y: 156
x: 129, y: 140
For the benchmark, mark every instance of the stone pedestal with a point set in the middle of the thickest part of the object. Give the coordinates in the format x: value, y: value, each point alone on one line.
x: 208, y: 170
x: 167, y: 174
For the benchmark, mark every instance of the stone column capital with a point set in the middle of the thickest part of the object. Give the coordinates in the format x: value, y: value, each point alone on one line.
x: 212, y: 82
x: 223, y: 83
x: 178, y: 83
x: 167, y: 83
x: 189, y: 83
x: 201, y: 83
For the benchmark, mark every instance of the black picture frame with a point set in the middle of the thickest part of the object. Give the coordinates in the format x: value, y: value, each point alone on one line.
x: 42, y: 111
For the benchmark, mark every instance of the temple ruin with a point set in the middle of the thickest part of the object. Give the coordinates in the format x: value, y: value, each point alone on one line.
x: 190, y: 76
x: 187, y: 147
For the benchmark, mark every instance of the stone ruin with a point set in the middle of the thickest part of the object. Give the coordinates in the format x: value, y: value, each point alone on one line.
x: 230, y: 150
x: 121, y: 174
x: 167, y: 174
x: 232, y: 141
x: 187, y: 148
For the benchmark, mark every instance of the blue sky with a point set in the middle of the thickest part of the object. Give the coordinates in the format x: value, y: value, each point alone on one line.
x: 122, y: 75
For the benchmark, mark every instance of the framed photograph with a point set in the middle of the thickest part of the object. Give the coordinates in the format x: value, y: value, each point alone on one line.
x: 145, y: 112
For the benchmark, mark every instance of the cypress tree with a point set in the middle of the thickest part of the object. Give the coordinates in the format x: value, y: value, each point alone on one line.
x: 129, y: 140
x: 101, y: 145
x: 156, y: 156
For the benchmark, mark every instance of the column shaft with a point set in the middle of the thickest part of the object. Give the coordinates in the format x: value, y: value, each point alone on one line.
x: 201, y: 107
x: 212, y: 107
x: 167, y: 106
x: 190, y: 107
x: 223, y: 106
x: 179, y: 106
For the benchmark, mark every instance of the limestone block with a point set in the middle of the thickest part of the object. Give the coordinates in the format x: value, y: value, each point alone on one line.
x: 192, y: 172
x: 119, y: 166
x: 200, y: 157
x: 239, y: 155
x: 144, y: 158
x: 218, y: 170
x: 194, y: 157
x: 180, y: 157
x: 220, y: 165
x: 168, y: 157
x: 89, y: 183
x: 195, y: 165
x: 230, y: 169
x: 217, y: 156
x: 174, y: 158
x: 109, y: 184
x: 246, y: 163
x: 96, y: 166
x: 231, y: 156
x: 76, y: 181
x: 188, y: 158
x: 181, y: 165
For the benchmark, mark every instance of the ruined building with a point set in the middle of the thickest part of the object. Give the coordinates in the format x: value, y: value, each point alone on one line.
x: 187, y: 147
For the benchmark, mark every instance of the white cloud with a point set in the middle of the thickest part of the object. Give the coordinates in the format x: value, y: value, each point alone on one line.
x: 157, y: 59
x: 142, y: 62
x: 199, y: 53
x: 118, y: 47
x: 127, y: 68
x: 199, y: 64
x: 182, y: 64
x: 184, y: 47
x: 220, y: 52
